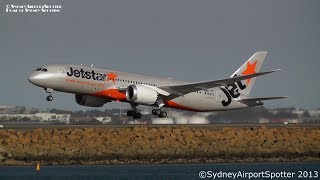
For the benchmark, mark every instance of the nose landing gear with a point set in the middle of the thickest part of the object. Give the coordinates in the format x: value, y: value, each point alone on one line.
x: 49, y: 98
x: 49, y: 91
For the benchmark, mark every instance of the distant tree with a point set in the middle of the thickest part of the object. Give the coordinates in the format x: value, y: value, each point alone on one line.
x: 306, y: 114
x: 58, y: 111
x: 291, y: 108
x: 239, y: 116
x: 263, y: 112
x: 94, y: 112
x: 24, y: 119
x: 3, y: 118
x: 21, y: 109
x: 77, y: 113
x: 14, y: 119
x: 34, y: 111
x: 286, y: 114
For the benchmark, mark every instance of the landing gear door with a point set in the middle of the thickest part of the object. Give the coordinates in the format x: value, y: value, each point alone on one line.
x: 61, y: 71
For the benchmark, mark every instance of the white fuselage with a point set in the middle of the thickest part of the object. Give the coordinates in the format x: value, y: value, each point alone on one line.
x: 110, y: 85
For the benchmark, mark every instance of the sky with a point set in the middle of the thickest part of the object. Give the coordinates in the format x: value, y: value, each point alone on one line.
x: 187, y: 40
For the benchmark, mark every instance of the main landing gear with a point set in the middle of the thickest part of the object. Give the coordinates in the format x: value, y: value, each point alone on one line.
x: 49, y: 91
x: 159, y: 113
x: 137, y: 115
x: 133, y: 112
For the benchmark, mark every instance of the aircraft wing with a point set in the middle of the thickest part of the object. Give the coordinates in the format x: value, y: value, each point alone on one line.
x: 182, y: 89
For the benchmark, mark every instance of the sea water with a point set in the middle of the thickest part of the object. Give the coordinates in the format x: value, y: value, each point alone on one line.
x: 305, y: 170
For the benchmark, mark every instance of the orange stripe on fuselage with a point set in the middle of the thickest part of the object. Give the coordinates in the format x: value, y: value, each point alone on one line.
x: 179, y: 106
x: 113, y: 94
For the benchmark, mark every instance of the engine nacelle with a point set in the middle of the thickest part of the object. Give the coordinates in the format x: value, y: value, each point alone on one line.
x: 91, y: 101
x: 141, y: 94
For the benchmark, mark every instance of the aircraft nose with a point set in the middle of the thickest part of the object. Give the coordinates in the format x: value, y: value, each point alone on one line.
x: 43, y: 79
x: 38, y: 79
x: 33, y: 79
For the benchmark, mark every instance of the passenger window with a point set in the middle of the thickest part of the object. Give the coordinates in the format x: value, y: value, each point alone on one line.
x: 38, y: 69
x: 44, y: 70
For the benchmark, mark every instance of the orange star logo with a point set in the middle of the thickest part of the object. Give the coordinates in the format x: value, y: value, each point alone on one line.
x: 112, y: 76
x: 251, y: 69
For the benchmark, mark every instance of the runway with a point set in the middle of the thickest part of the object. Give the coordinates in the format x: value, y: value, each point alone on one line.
x: 209, y: 126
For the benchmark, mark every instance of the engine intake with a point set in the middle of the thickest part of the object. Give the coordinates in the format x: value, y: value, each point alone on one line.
x: 141, y: 94
x: 91, y: 101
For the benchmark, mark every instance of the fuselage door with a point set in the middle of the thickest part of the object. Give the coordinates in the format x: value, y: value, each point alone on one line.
x: 61, y: 71
x: 219, y: 97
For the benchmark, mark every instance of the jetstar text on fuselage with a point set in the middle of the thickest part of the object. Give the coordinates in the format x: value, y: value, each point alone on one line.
x: 232, y: 91
x: 86, y: 74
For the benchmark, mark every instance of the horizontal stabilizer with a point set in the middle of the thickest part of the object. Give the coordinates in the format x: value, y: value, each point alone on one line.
x: 262, y: 99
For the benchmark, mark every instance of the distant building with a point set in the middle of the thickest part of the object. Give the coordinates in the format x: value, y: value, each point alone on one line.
x: 315, y: 113
x: 64, y: 118
x: 104, y: 120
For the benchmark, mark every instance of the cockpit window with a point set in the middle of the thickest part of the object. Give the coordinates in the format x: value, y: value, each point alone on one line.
x: 42, y: 69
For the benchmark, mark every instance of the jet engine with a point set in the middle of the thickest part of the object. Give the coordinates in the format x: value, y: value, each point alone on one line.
x: 141, y: 94
x: 91, y: 101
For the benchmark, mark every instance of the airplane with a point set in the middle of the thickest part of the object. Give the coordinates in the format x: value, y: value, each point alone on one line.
x: 95, y: 87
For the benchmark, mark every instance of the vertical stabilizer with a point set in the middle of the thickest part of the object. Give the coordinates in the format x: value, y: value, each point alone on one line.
x: 253, y: 65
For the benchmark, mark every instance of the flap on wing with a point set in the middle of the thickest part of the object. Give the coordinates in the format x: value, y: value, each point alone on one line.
x: 182, y: 89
